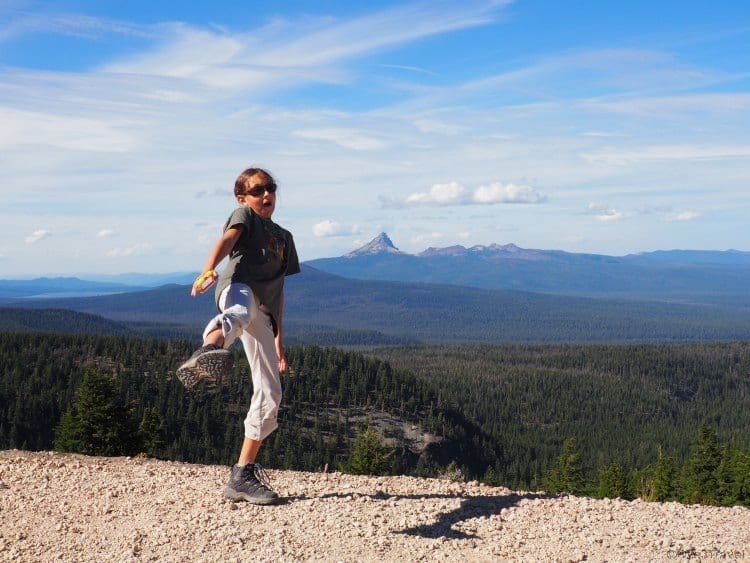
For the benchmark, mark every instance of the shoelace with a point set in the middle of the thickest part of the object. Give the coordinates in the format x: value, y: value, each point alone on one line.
x: 262, y: 476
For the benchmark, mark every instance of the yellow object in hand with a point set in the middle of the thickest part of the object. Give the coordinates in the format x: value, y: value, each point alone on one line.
x: 205, y: 280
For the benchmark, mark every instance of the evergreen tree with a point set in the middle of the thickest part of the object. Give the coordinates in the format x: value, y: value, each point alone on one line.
x: 662, y: 485
x: 611, y: 482
x: 733, y: 477
x: 700, y: 482
x: 567, y: 474
x: 96, y: 423
x: 369, y: 455
x: 656, y: 482
x: 151, y: 432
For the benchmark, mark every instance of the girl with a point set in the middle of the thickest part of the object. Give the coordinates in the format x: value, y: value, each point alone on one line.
x: 250, y: 299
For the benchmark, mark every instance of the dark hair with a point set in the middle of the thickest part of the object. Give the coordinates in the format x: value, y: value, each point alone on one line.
x: 242, y: 184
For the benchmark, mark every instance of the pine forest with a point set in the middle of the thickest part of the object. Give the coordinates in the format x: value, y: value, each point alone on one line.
x: 660, y: 422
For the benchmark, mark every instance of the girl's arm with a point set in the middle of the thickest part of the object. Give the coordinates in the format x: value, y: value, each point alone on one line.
x: 221, y: 249
x: 279, y: 339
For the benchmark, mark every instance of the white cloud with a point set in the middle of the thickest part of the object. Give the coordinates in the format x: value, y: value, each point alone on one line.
x: 426, y: 239
x: 454, y: 193
x: 105, y: 233
x: 402, y: 24
x: 330, y: 228
x: 436, y: 126
x: 223, y: 59
x: 675, y: 216
x: 347, y: 138
x: 80, y: 133
x: 199, y: 102
x: 38, y: 235
x: 625, y: 156
x: 189, y: 52
x: 216, y: 192
x: 604, y: 213
x: 135, y: 250
x: 611, y: 215
x: 506, y: 193
x: 66, y: 24
x: 408, y: 68
x: 451, y: 193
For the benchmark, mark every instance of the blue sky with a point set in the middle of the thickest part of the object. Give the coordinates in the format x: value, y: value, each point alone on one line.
x: 604, y: 127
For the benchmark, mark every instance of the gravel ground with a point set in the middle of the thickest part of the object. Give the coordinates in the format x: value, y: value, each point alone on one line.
x: 77, y: 508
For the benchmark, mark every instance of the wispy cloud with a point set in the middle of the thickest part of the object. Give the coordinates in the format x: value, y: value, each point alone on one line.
x: 679, y: 216
x: 408, y: 68
x: 105, y: 233
x: 433, y: 125
x: 21, y: 23
x: 340, y: 106
x: 36, y: 236
x: 426, y: 239
x: 654, y: 153
x: 609, y: 77
x: 292, y: 50
x: 80, y: 133
x: 216, y: 192
x: 347, y: 138
x: 135, y: 250
x: 330, y: 228
x: 605, y: 213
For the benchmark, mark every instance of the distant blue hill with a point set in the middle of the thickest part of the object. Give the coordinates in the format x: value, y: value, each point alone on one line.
x: 89, y: 285
x: 695, y: 257
x: 670, y: 275
x: 143, y: 280
x: 678, y: 275
x: 58, y: 321
x: 325, y: 308
x: 378, y: 294
x: 59, y: 286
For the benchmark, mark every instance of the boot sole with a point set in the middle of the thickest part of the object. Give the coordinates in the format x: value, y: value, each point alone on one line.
x: 231, y: 494
x: 211, y: 366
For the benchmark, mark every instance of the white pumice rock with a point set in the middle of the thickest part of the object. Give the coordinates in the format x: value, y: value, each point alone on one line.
x: 128, y: 509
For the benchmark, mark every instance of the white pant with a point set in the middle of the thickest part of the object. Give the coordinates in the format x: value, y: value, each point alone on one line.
x: 242, y: 318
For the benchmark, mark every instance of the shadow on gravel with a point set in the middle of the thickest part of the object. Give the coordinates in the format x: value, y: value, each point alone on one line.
x: 471, y: 507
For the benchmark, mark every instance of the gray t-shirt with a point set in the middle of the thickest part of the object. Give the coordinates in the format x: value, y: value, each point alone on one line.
x: 261, y: 258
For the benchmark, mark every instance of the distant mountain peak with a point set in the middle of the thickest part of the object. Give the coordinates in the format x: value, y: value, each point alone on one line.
x: 456, y: 250
x: 494, y: 250
x: 381, y: 244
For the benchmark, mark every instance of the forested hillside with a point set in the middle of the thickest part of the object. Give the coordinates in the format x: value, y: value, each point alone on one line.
x: 622, y: 404
x: 330, y: 396
x: 604, y: 420
x: 58, y: 320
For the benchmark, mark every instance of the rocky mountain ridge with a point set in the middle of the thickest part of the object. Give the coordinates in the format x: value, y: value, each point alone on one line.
x: 686, y: 276
x: 381, y: 244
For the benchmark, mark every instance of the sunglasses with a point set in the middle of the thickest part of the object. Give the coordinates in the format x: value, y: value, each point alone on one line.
x: 258, y: 191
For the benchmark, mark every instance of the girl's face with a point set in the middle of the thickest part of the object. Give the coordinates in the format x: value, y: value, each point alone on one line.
x: 260, y: 196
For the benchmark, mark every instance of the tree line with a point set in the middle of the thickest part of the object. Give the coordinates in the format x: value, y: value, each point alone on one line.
x: 599, y: 420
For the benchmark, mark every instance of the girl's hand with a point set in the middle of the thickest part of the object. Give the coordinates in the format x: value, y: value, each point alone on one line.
x: 282, y: 357
x: 203, y: 282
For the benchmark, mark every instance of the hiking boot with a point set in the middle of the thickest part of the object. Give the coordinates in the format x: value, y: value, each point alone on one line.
x: 250, y: 483
x: 209, y: 363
